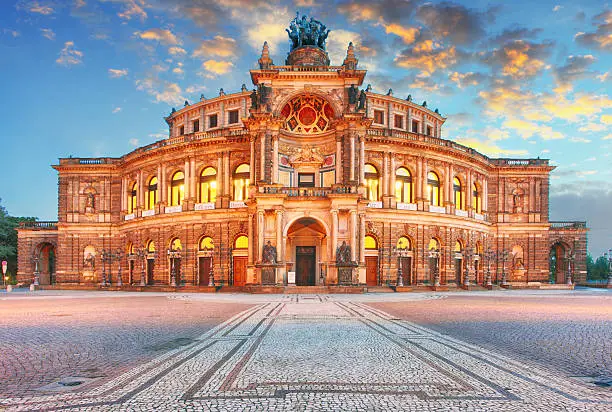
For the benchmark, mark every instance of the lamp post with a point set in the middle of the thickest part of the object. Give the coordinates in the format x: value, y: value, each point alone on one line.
x: 468, y: 254
x: 399, y: 253
x: 489, y: 255
x: 608, y: 256
x: 36, y: 259
x: 503, y: 256
x: 173, y: 254
x: 118, y: 255
x: 435, y: 255
x: 140, y: 253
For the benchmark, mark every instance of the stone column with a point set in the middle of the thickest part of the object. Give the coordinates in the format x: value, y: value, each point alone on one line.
x: 362, y: 239
x: 338, y: 160
x: 353, y: 234
x: 187, y: 184
x: 424, y: 180
x: 226, y: 174
x: 274, y: 159
x: 140, y: 202
x: 123, y: 195
x: 159, y: 187
x: 252, y: 161
x: 220, y: 176
x: 352, y: 160
x: 334, y: 234
x: 361, y: 160
x: 194, y: 180
x: 262, y: 161
x: 385, y: 179
x: 469, y: 194
x: 531, y: 195
x: 260, y: 233
x: 251, y: 240
x: 409, y: 121
x: 485, y: 195
x: 163, y: 186
x: 279, y: 236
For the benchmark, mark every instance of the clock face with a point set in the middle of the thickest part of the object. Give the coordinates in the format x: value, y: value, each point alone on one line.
x: 308, y: 114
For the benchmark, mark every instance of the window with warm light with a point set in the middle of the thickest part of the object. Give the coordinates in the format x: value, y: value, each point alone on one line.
x: 133, y: 196
x: 206, y: 243
x: 176, y: 244
x: 458, y: 247
x: 241, y: 182
x: 208, y: 185
x: 370, y: 243
x: 371, y: 181
x: 457, y: 193
x: 476, y: 199
x: 151, y: 198
x: 433, y: 189
x: 177, y: 189
x: 241, y: 242
x: 151, y: 246
x: 403, y: 185
x: 403, y: 243
x: 433, y: 244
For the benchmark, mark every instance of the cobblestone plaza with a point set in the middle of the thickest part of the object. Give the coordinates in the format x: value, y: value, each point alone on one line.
x: 500, y: 350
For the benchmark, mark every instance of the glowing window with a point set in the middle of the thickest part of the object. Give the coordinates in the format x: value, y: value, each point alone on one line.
x: 208, y: 185
x: 206, y: 243
x: 457, y: 193
x: 370, y: 243
x: 403, y: 243
x: 151, y: 246
x: 132, y: 198
x: 176, y: 244
x: 151, y: 193
x: 371, y: 182
x: 433, y: 244
x: 177, y: 189
x: 242, y: 242
x: 433, y: 189
x: 130, y: 249
x: 403, y: 185
x: 241, y: 182
x: 457, y: 247
x: 476, y: 199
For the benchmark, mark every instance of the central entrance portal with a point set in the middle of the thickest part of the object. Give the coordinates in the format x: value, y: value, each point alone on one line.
x: 305, y: 265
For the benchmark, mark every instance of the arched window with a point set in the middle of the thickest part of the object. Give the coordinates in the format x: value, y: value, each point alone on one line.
x: 130, y: 248
x: 476, y: 199
x: 371, y: 182
x: 433, y: 189
x: 241, y: 182
x: 151, y: 246
x: 458, y: 247
x: 133, y: 196
x: 403, y: 243
x: 433, y: 244
x: 371, y: 243
x: 206, y: 243
x: 208, y: 185
x: 457, y: 193
x: 403, y: 185
x: 241, y: 242
x: 176, y: 244
x: 177, y: 189
x: 151, y: 193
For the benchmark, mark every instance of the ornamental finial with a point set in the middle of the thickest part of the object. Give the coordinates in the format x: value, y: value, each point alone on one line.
x: 265, y: 61
x: 350, y: 61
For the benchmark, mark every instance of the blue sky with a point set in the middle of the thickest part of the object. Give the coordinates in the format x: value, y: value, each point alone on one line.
x: 95, y: 78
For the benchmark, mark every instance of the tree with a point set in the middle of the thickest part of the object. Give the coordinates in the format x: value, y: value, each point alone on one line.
x: 8, y: 238
x: 598, y: 269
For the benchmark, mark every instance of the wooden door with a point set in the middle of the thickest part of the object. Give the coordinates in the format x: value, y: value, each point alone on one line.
x: 305, y: 265
x: 203, y: 270
x: 406, y: 263
x: 240, y: 269
x: 458, y: 264
x: 150, y: 270
x: 371, y: 270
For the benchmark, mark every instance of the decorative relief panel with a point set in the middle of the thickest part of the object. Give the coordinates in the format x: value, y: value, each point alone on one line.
x: 308, y: 114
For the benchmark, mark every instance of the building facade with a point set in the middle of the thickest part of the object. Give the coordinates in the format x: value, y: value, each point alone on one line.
x: 308, y: 178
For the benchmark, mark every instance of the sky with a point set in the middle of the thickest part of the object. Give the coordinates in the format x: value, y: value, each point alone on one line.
x: 93, y: 78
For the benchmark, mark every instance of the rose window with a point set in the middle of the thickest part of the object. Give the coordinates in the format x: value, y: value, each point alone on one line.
x: 307, y: 114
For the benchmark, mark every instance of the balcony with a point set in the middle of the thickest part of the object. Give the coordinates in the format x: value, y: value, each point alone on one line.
x: 568, y: 225
x: 41, y: 225
x: 305, y: 191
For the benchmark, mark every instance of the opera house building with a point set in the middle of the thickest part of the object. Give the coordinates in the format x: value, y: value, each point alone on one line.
x: 308, y: 178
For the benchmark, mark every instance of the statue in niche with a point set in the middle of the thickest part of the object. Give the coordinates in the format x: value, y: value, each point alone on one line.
x: 362, y: 101
x: 90, y: 262
x: 264, y: 95
x: 254, y: 100
x: 353, y: 91
x: 343, y: 253
x: 91, y: 201
x: 269, y: 253
x: 517, y: 201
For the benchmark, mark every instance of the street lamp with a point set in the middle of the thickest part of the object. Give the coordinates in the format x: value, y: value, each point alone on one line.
x: 608, y: 257
x: 468, y: 254
x: 570, y: 266
x: 118, y: 255
x: 36, y: 259
x: 489, y: 255
x: 435, y: 255
x: 140, y: 253
x: 172, y: 255
x: 503, y: 256
x: 400, y: 253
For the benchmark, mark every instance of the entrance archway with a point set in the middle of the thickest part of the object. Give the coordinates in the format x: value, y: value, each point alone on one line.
x: 46, y: 263
x: 558, y: 262
x: 307, y: 248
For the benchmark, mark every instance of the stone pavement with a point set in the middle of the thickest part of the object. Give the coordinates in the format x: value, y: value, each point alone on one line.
x: 311, y: 352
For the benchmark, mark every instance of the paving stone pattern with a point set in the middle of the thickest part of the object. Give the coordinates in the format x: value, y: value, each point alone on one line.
x: 325, y: 353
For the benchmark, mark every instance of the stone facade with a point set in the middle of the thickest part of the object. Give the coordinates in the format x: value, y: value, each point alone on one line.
x: 306, y: 162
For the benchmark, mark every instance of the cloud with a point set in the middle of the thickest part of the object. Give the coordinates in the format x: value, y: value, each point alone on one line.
x: 69, y: 56
x: 114, y: 73
x: 390, y: 11
x: 601, y: 38
x: 131, y: 9
x: 603, y: 77
x: 575, y: 67
x: 519, y: 59
x: 513, y: 34
x: 161, y: 35
x: 217, y: 67
x: 134, y: 142
x: 557, y: 8
x: 607, y: 137
x: 176, y: 51
x: 463, y: 80
x: 489, y: 148
x: 48, y: 33
x: 427, y: 56
x: 337, y: 44
x: 580, y: 140
x: 606, y: 118
x: 218, y: 46
x: 592, y: 127
x: 178, y: 70
x: 162, y: 91
x: 455, y: 22
x: 407, y: 34
x: 527, y: 129
x: 37, y: 7
x: 116, y: 110
x: 13, y: 33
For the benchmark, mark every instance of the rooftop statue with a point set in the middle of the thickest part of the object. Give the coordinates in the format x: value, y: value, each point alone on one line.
x: 304, y: 32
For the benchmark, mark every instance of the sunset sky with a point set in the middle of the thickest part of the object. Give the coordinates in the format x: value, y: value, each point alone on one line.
x: 94, y: 78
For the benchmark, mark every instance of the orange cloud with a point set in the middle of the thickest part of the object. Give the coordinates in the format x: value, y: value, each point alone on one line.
x: 489, y: 148
x: 161, y: 35
x: 427, y: 57
x: 69, y: 56
x: 218, y: 46
x: 408, y: 34
x: 217, y: 67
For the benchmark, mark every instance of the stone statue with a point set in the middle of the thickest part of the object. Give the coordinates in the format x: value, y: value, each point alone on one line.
x: 202, y: 98
x: 91, y: 201
x: 186, y: 103
x: 269, y: 253
x: 409, y: 98
x: 265, y: 95
x: 243, y: 88
x: 90, y: 262
x: 352, y: 94
x: 424, y: 103
x: 254, y: 100
x: 304, y: 32
x: 437, y: 111
x: 390, y: 92
x: 343, y: 253
x: 221, y: 92
x: 362, y: 101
